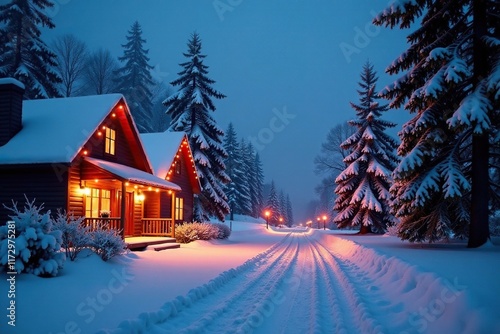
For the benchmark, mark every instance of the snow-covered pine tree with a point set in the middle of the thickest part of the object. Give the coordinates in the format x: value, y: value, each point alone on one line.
x: 258, y: 201
x: 236, y: 190
x: 282, y: 207
x: 289, y: 212
x: 134, y: 79
x: 247, y: 156
x: 24, y: 55
x: 363, y: 187
x: 189, y: 109
x: 451, y: 83
x: 273, y: 205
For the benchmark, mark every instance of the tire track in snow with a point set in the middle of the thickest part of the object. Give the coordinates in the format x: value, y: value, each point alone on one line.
x: 296, y: 285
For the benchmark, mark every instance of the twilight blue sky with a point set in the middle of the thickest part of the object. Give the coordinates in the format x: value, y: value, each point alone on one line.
x: 288, y: 67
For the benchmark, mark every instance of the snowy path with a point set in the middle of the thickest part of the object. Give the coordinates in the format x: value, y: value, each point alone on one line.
x: 298, y: 285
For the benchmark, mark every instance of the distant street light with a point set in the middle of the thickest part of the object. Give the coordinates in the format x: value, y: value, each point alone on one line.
x: 324, y: 222
x: 267, y: 214
x: 281, y: 220
x: 319, y: 221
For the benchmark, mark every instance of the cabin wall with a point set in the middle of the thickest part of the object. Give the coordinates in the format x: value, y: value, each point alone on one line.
x: 123, y: 155
x: 183, y: 180
x: 152, y: 204
x: 45, y: 183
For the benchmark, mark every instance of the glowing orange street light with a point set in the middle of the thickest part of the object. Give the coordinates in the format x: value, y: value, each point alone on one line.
x: 324, y: 222
x: 267, y: 214
x: 281, y: 220
x: 319, y: 221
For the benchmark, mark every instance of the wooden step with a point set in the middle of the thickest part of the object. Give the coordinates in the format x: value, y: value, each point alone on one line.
x: 166, y: 246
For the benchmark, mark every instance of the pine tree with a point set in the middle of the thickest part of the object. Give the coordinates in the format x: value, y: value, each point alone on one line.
x: 134, y: 79
x: 258, y: 201
x: 363, y: 187
x: 451, y: 83
x: 273, y: 205
x: 249, y: 177
x: 282, y: 207
x: 189, y: 109
x: 24, y: 55
x: 236, y: 190
x: 289, y: 212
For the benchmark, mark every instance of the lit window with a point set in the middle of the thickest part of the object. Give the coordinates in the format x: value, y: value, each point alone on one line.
x: 98, y: 200
x: 179, y: 208
x: 109, y: 146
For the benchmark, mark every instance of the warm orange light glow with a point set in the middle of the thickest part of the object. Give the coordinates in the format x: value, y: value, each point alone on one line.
x: 85, y: 152
x: 120, y: 107
x: 149, y: 188
x: 267, y: 213
x: 127, y: 184
x: 135, y: 187
x: 99, y: 133
x: 324, y: 217
x: 104, y: 127
x: 168, y: 178
x: 170, y: 192
x: 113, y: 114
x: 96, y: 180
x: 157, y: 190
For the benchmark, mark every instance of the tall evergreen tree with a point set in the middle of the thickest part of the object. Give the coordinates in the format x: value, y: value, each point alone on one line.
x: 282, y: 207
x: 273, y: 205
x: 451, y: 82
x: 24, y: 55
x: 258, y: 201
x: 363, y: 187
x: 236, y: 190
x: 247, y: 157
x: 189, y: 109
x: 134, y: 79
x: 289, y: 212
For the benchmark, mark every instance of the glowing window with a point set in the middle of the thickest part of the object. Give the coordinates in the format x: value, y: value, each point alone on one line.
x: 179, y: 208
x: 98, y: 200
x: 109, y: 146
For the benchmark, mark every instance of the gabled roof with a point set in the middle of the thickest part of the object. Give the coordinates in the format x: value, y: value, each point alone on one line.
x: 54, y: 130
x: 162, y: 148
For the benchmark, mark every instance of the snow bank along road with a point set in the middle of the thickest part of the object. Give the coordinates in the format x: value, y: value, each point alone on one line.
x: 313, y: 283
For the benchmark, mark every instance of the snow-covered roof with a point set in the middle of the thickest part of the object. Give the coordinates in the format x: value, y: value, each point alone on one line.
x: 133, y: 175
x: 6, y: 81
x: 54, y: 130
x: 161, y: 149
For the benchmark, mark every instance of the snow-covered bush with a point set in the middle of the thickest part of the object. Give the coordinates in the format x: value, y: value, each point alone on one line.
x: 75, y: 236
x: 107, y: 242
x: 223, y: 231
x: 36, y: 247
x: 188, y: 232
x: 392, y: 230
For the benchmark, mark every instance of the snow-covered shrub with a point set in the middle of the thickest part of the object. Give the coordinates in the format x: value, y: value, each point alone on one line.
x: 75, y: 236
x: 392, y: 230
x: 186, y: 233
x: 223, y: 231
x: 37, y: 244
x: 107, y: 242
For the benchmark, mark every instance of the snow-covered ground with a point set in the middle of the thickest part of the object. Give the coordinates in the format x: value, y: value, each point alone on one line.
x: 265, y: 281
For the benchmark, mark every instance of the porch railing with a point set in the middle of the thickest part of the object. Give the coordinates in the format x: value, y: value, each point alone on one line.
x: 109, y: 223
x: 157, y: 226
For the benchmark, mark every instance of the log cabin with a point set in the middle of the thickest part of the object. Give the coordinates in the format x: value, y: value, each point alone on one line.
x: 85, y: 155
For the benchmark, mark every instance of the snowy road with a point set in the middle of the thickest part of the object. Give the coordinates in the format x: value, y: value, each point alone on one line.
x: 296, y: 286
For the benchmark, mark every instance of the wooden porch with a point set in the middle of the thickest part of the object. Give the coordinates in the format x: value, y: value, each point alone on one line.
x: 158, y: 243
x: 158, y: 227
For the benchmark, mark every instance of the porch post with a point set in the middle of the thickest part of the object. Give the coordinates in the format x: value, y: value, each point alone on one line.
x: 123, y: 209
x: 173, y: 214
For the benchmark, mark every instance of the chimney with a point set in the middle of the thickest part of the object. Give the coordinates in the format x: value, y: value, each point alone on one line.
x: 11, y: 108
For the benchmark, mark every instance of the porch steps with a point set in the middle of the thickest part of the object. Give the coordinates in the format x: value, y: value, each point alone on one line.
x: 158, y: 243
x: 166, y: 246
